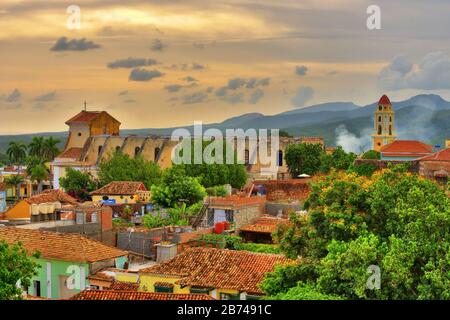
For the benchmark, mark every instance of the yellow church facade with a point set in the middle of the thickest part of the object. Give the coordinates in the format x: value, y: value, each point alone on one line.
x: 384, y: 124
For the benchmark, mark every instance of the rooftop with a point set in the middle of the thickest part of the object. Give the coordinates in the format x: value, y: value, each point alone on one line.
x: 87, y: 117
x: 219, y: 268
x: 265, y: 224
x: 413, y: 148
x: 235, y: 201
x: 70, y: 247
x: 384, y: 100
x: 72, y: 153
x: 51, y: 195
x: 443, y: 155
x: 120, y: 188
x: 136, y: 295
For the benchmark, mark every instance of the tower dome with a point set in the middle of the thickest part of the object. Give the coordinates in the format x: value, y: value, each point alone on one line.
x: 384, y: 100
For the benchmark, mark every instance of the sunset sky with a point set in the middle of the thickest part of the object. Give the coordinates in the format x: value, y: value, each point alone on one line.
x: 161, y: 63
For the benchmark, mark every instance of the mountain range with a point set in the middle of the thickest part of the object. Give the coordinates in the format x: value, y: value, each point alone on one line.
x: 422, y: 117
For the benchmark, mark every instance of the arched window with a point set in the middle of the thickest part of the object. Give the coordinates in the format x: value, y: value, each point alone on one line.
x: 390, y: 119
x: 380, y: 108
x: 157, y: 150
x: 117, y: 148
x: 136, y: 151
x: 390, y: 130
x: 280, y: 158
x: 99, y: 149
x: 379, y: 118
x: 246, y: 156
x: 379, y: 129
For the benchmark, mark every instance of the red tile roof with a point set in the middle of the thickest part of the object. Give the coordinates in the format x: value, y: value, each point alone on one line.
x: 384, y: 100
x: 443, y: 155
x: 120, y: 188
x: 136, y: 295
x: 72, y: 153
x: 406, y: 148
x: 124, y: 286
x: 235, y: 201
x: 87, y: 117
x: 265, y: 224
x: 51, y: 195
x: 69, y: 247
x: 216, y: 268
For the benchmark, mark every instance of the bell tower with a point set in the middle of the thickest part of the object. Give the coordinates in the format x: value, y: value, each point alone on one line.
x: 384, y: 124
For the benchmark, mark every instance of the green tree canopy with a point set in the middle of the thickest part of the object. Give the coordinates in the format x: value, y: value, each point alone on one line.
x: 15, y: 267
x: 371, y: 155
x: 17, y: 152
x: 304, y: 158
x: 120, y: 167
x: 77, y: 183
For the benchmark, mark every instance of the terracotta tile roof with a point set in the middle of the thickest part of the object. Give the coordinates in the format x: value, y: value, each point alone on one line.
x: 72, y: 153
x: 443, y: 155
x: 406, y: 148
x: 51, y: 195
x: 265, y: 224
x: 120, y: 188
x: 84, y: 116
x: 69, y: 247
x: 136, y: 295
x: 235, y: 201
x: 219, y: 268
x: 384, y: 100
x: 124, y: 286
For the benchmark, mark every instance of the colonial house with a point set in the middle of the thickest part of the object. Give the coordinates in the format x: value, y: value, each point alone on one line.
x: 237, y: 210
x: 405, y: 150
x: 436, y: 166
x: 65, y: 260
x: 222, y: 274
x: 262, y: 229
x: 41, y: 207
x: 121, y: 192
x: 135, y: 295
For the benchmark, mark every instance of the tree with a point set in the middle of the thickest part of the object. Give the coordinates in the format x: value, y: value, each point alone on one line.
x: 51, y: 149
x: 371, y: 155
x: 304, y: 158
x: 17, y: 151
x: 15, y: 267
x: 394, y: 221
x: 78, y: 184
x: 338, y: 159
x: 15, y: 181
x: 32, y: 162
x: 284, y: 133
x: 36, y: 147
x: 120, y: 167
x: 176, y: 187
x: 39, y: 174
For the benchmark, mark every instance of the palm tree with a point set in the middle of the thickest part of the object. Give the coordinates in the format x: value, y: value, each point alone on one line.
x: 17, y: 151
x: 39, y: 174
x: 15, y: 181
x: 37, y: 147
x: 51, y: 149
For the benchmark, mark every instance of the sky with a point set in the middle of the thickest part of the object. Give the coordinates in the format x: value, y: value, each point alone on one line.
x: 164, y: 63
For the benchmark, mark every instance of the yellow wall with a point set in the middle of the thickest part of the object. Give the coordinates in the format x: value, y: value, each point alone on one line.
x: 125, y: 200
x: 20, y: 210
x: 127, y: 277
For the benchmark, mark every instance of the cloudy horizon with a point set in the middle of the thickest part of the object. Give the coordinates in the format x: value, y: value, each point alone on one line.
x: 167, y: 63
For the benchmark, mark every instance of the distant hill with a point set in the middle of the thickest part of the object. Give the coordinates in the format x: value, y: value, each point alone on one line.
x: 424, y: 117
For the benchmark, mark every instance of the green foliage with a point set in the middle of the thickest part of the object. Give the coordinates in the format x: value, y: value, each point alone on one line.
x: 155, y: 221
x: 371, y: 155
x: 44, y: 149
x: 259, y: 247
x: 176, y: 187
x: 338, y: 159
x: 304, y: 158
x: 284, y: 133
x: 394, y: 220
x: 218, y: 191
x: 304, y: 292
x: 17, y: 152
x: 15, y: 266
x: 39, y: 174
x: 77, y: 183
x: 363, y: 169
x: 120, y: 167
x: 15, y: 181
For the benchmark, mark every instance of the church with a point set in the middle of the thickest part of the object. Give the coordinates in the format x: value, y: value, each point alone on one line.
x: 384, y: 124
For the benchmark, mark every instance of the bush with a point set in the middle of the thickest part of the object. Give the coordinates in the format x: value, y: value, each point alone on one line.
x: 217, y: 191
x: 259, y: 247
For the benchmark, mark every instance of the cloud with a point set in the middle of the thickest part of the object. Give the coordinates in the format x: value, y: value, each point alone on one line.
x: 157, y: 45
x: 301, y: 70
x: 210, y: 89
x: 198, y: 66
x: 263, y: 82
x: 131, y: 63
x: 46, y: 97
x: 236, y: 83
x: 432, y: 73
x: 140, y: 74
x: 186, y: 66
x: 129, y: 101
x: 221, y: 92
x: 256, y: 96
x: 173, y: 88
x: 303, y: 95
x: 14, y: 96
x: 123, y: 93
x: 63, y: 44
x: 189, y: 79
x: 196, y: 97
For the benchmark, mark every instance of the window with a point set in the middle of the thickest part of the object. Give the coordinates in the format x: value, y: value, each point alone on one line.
x: 379, y: 129
x: 105, y: 198
x: 200, y: 290
x: 228, y: 296
x: 163, y: 288
x: 390, y: 119
x: 252, y: 297
x: 99, y: 149
x: 117, y: 148
x: 136, y: 151
x: 79, y: 134
x: 379, y: 108
x: 379, y: 118
x: 229, y: 215
x: 37, y: 288
x: 157, y: 150
x: 247, y: 157
x: 390, y: 130
x: 280, y: 158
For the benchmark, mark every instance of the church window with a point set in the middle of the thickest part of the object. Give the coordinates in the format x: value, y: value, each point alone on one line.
x: 157, y: 150
x: 379, y: 108
x: 136, y: 151
x: 99, y: 149
x: 379, y: 130
x: 379, y: 118
x: 390, y: 130
x: 79, y: 134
